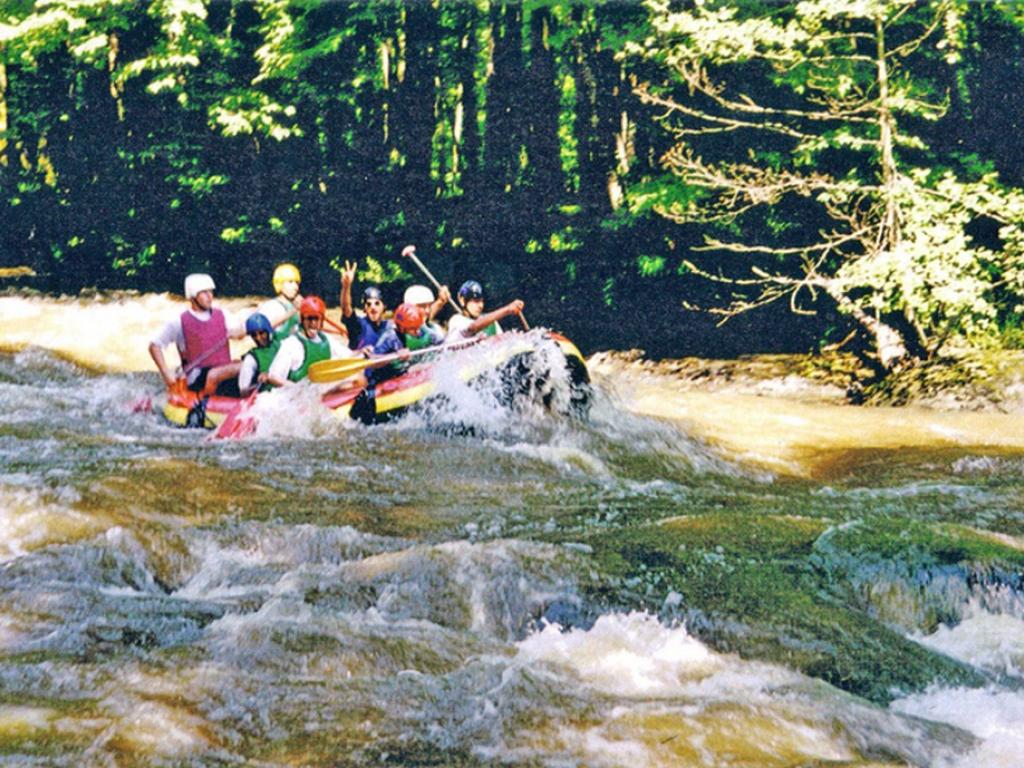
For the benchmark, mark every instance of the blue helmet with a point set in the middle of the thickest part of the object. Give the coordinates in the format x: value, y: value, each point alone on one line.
x: 258, y: 322
x: 372, y: 292
x: 471, y: 289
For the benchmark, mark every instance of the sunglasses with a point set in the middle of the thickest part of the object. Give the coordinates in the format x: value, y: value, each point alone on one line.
x: 311, y: 318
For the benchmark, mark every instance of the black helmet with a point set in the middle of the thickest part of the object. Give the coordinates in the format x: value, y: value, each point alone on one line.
x: 372, y: 292
x: 471, y: 289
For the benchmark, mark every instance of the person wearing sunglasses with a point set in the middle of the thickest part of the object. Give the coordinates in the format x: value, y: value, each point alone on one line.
x: 365, y: 329
x: 303, y: 348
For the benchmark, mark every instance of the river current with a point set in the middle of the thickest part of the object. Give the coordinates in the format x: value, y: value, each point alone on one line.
x: 687, y: 578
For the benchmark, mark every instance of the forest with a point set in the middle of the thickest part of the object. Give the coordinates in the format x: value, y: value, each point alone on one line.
x: 692, y: 178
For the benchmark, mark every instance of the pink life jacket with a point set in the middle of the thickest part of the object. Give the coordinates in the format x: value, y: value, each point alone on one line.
x: 206, y: 341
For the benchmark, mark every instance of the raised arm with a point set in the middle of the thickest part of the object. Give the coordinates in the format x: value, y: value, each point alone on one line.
x: 348, y: 276
x: 443, y: 297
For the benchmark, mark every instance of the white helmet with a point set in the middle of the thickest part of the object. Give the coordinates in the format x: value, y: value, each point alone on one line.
x: 418, y: 294
x: 197, y: 283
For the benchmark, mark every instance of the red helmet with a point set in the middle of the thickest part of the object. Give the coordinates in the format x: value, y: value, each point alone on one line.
x: 409, y: 318
x: 312, y: 305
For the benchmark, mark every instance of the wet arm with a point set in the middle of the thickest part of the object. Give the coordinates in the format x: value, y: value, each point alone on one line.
x: 512, y: 308
x: 283, y: 362
x: 247, y: 375
x: 161, y: 363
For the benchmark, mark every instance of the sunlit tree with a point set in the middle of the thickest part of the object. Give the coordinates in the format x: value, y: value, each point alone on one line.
x: 799, y: 143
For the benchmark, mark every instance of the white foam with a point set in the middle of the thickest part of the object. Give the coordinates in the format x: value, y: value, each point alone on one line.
x: 987, y: 465
x: 626, y: 655
x: 996, y: 717
x: 120, y: 328
x: 295, y: 410
x: 565, y: 457
x: 951, y: 433
x: 21, y: 721
x: 150, y: 727
x: 670, y: 700
x: 29, y: 520
x: 991, y: 641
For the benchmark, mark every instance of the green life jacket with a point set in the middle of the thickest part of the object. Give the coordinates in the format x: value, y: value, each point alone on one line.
x: 285, y: 329
x: 264, y: 356
x: 412, y: 343
x: 490, y: 330
x: 315, y: 350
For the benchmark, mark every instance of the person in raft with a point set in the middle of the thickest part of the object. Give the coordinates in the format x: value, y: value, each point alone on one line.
x: 282, y: 310
x: 256, y: 362
x: 201, y: 336
x: 473, y: 320
x: 307, y: 346
x: 423, y: 297
x: 364, y: 329
x: 409, y: 334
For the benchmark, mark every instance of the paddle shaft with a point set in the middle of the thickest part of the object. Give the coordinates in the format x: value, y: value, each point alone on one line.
x: 395, y: 356
x: 342, y: 330
x: 335, y: 370
x: 410, y: 251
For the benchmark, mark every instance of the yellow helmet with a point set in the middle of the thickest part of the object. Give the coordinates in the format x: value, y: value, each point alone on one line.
x: 285, y: 273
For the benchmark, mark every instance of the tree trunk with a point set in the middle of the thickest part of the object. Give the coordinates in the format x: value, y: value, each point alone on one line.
x: 3, y: 114
x: 890, y: 348
x: 888, y: 233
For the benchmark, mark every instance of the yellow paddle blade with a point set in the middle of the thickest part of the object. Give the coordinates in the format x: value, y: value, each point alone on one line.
x: 326, y: 371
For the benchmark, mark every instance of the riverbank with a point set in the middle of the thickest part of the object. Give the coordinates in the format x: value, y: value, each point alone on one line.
x: 987, y: 381
x: 790, y: 414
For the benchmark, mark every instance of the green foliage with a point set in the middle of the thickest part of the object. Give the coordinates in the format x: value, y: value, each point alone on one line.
x: 650, y: 266
x: 664, y: 196
x: 844, y: 90
x: 248, y: 112
x: 564, y: 240
x: 376, y: 272
x: 1013, y: 332
x: 136, y: 138
x: 935, y: 270
x: 236, y: 234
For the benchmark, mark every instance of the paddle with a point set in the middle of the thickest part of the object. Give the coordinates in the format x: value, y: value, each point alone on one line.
x: 340, y: 330
x: 327, y: 371
x: 237, y: 423
x: 144, y: 404
x: 410, y: 252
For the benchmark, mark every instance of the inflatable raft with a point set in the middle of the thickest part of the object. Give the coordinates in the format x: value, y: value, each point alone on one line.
x: 515, y: 357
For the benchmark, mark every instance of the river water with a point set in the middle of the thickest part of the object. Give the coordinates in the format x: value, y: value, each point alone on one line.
x: 731, y: 578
